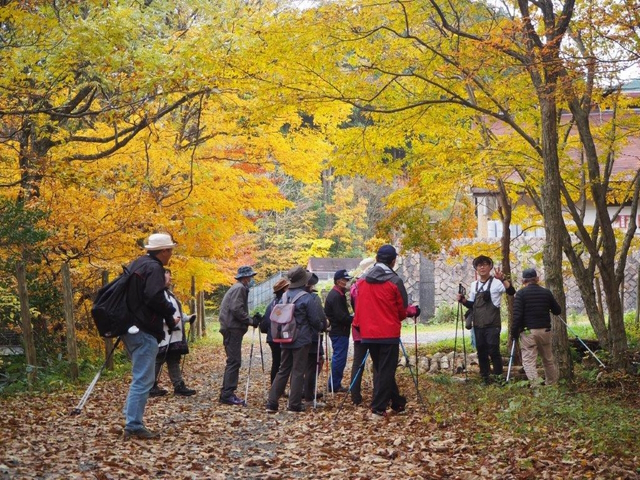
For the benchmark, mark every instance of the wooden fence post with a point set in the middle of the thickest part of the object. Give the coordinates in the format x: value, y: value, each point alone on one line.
x: 72, y: 349
x: 108, y: 342
x: 203, y: 325
x: 193, y: 304
x: 27, y: 332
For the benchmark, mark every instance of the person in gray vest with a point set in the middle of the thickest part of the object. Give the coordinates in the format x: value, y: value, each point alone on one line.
x: 532, y: 325
x: 308, y: 317
x: 485, y: 295
x: 234, y: 323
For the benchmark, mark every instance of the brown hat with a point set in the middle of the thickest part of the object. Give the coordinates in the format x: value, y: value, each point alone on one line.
x: 298, y: 277
x: 280, y: 285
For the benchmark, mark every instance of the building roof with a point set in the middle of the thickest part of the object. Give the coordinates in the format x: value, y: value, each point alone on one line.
x: 332, y: 265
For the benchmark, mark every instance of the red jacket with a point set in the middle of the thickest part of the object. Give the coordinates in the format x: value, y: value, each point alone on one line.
x: 381, y: 305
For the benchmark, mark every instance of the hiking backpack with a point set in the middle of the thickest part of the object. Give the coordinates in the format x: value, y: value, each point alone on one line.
x: 283, y: 320
x: 110, y: 311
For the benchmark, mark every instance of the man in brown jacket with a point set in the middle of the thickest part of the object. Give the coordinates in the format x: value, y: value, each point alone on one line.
x: 234, y: 323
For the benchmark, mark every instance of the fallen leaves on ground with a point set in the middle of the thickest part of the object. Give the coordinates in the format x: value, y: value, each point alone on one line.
x: 450, y: 436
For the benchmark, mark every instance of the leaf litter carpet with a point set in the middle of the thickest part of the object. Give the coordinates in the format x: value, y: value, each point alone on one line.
x: 202, y: 439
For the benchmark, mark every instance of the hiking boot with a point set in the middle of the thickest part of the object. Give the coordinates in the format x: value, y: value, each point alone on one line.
x: 157, y: 391
x: 299, y: 409
x: 182, y: 389
x: 377, y: 415
x: 271, y: 408
x: 340, y: 390
x: 356, y: 400
x: 233, y: 400
x: 400, y: 406
x: 139, y: 433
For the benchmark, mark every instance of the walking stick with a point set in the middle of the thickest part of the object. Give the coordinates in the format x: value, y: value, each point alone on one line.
x: 414, y: 376
x: 87, y: 393
x: 164, y: 358
x: 464, y: 350
x: 246, y: 391
x: 455, y: 341
x: 330, y: 363
x: 580, y: 340
x: 186, y: 337
x: 262, y: 362
x: 415, y: 339
x: 353, y: 382
x: 513, y: 349
x: 315, y: 389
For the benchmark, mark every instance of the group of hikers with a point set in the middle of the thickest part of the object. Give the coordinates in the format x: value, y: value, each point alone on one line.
x: 379, y: 303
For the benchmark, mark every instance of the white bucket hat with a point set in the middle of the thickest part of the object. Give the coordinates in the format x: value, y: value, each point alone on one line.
x: 159, y: 241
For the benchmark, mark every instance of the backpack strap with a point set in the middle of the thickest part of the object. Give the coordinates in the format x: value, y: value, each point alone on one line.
x: 298, y: 296
x: 488, y: 286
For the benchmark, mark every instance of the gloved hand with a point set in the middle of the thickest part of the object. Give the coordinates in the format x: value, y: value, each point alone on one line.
x: 192, y: 318
x: 515, y: 334
x: 256, y: 319
x: 413, y: 311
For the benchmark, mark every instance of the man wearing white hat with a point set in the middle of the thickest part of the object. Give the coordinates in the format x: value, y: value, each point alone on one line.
x: 150, y: 307
x: 234, y: 323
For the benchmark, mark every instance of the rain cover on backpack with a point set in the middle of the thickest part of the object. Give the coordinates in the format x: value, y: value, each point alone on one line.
x: 283, y: 320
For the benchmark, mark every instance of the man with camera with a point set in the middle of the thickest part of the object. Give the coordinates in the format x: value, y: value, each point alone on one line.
x: 485, y: 295
x: 234, y: 323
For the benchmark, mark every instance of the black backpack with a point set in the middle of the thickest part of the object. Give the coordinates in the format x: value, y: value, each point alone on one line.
x: 110, y: 310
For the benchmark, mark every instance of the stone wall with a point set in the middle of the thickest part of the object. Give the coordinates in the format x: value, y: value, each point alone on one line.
x: 431, y: 282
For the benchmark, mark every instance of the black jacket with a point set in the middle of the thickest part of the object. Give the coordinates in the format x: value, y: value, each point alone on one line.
x: 337, y: 311
x: 146, y: 296
x: 531, y: 308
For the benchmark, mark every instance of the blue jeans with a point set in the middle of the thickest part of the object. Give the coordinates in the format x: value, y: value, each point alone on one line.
x: 338, y: 361
x: 143, y: 349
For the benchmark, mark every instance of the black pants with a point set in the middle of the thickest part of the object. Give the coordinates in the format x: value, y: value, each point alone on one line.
x: 488, y: 345
x: 276, y: 356
x: 385, y: 388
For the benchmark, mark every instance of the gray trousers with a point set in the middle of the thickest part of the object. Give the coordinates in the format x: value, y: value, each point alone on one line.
x: 232, y: 340
x: 173, y: 367
x: 294, y: 364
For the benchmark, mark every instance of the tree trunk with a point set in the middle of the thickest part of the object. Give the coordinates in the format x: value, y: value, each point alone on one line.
x: 108, y: 342
x: 554, y: 223
x: 27, y: 333
x: 72, y: 349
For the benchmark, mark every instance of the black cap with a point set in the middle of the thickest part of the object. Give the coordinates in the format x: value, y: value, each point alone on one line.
x: 529, y: 273
x: 386, y: 254
x: 340, y: 274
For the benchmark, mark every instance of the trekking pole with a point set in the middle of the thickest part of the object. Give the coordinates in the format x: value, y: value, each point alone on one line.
x: 186, y: 338
x: 87, y: 393
x: 164, y: 358
x: 464, y: 349
x: 415, y: 339
x: 315, y: 389
x: 455, y: 341
x: 246, y: 391
x: 414, y: 376
x: 330, y: 363
x: 353, y: 382
x: 513, y: 349
x: 580, y: 340
x: 261, y: 352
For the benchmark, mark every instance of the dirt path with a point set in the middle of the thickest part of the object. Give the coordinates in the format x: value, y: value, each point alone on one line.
x: 202, y: 439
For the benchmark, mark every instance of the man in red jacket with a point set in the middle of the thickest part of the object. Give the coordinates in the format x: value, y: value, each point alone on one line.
x: 382, y: 305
